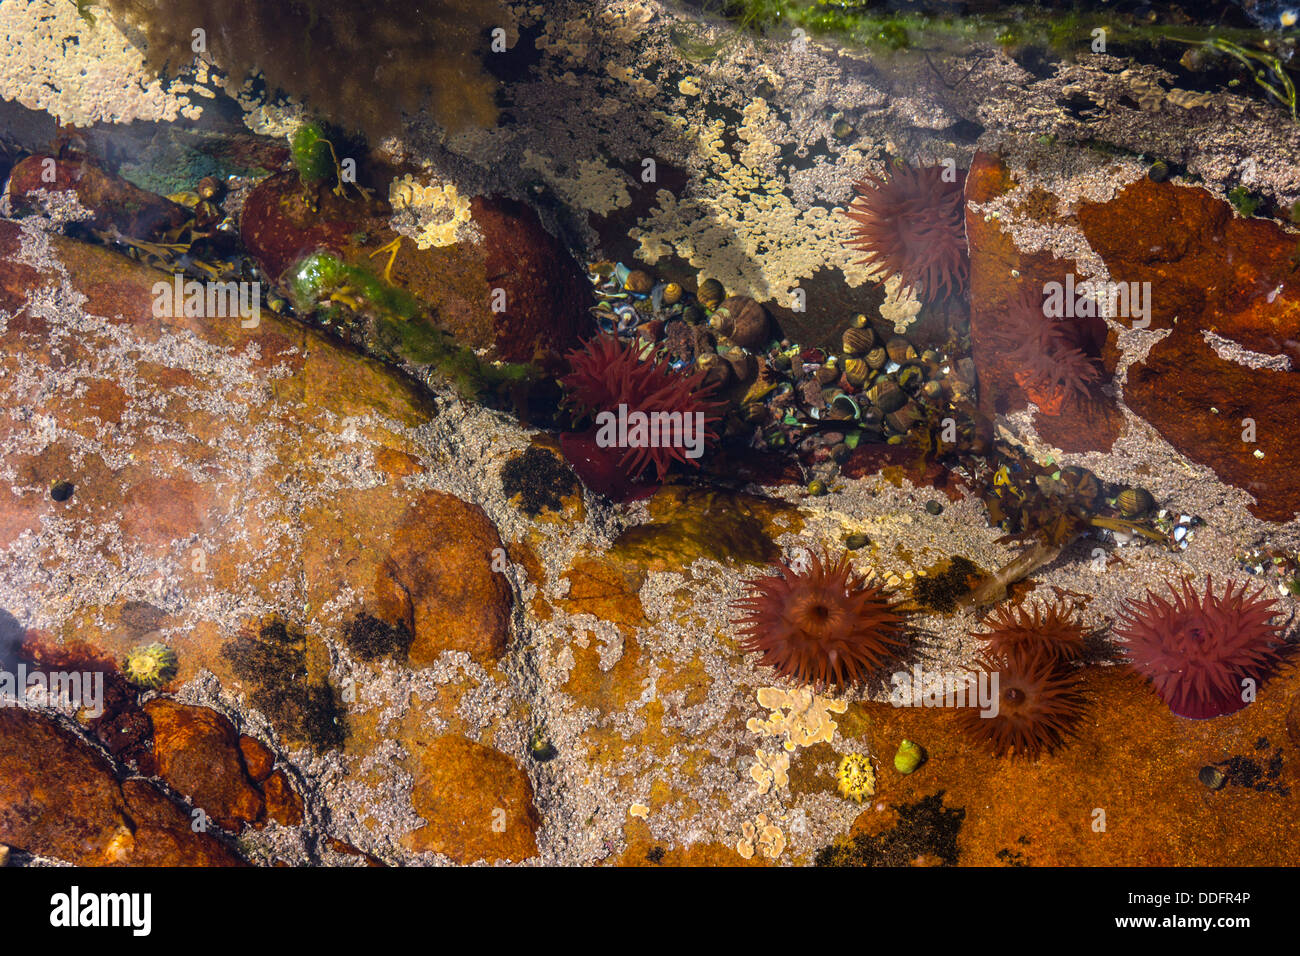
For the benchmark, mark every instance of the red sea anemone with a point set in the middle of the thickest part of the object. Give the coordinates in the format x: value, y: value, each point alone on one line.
x: 912, y: 224
x: 1198, y: 650
x: 820, y: 623
x: 1038, y: 703
x: 1048, y: 350
x: 608, y: 373
x: 1050, y: 627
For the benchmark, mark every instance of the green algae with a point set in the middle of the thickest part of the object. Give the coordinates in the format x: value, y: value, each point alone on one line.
x: 311, y: 153
x: 322, y: 284
x: 1066, y: 33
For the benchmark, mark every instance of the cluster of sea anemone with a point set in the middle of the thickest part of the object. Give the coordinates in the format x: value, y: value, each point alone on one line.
x: 1032, y: 654
x: 818, y: 622
x: 1204, y: 654
x: 1052, y: 354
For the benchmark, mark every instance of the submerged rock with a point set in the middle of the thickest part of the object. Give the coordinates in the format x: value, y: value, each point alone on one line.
x: 60, y: 798
x: 507, y: 284
x: 1222, y: 387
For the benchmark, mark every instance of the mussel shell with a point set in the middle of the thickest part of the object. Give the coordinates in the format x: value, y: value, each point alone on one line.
x: 911, y: 377
x: 857, y: 371
x: 743, y: 365
x: 711, y: 293
x: 826, y: 374
x: 639, y: 281
x: 903, y: 418
x: 857, y: 341
x: 843, y: 407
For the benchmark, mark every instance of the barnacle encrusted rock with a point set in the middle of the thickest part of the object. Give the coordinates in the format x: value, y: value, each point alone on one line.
x: 437, y: 578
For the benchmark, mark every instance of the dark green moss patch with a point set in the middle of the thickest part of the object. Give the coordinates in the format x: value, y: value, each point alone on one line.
x: 540, y: 479
x: 273, y: 662
x: 1262, y: 776
x: 370, y: 638
x: 925, y: 829
x: 944, y: 591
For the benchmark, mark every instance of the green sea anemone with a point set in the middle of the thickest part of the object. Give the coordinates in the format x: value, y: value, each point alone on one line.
x: 150, y: 666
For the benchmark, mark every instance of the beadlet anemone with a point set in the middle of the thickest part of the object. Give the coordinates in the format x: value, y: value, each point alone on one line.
x: 1050, y: 353
x: 1197, y: 650
x: 1047, y: 626
x: 818, y: 622
x: 1038, y: 703
x: 911, y: 224
x: 608, y: 373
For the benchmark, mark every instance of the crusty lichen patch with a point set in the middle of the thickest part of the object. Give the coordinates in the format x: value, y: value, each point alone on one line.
x: 771, y: 770
x: 434, y: 213
x: 591, y: 184
x: 799, y: 715
x: 761, y: 836
x: 53, y: 60
x: 740, y: 225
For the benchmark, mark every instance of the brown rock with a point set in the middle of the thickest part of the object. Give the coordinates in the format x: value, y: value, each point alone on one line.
x: 1233, y: 277
x: 198, y: 755
x: 477, y: 801
x: 164, y: 834
x: 60, y: 798
x: 258, y: 758
x: 438, y: 580
x: 283, y: 805
x: 546, y: 295
x: 116, y: 203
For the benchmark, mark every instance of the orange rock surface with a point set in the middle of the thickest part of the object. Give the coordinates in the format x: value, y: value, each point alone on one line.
x: 1133, y: 761
x: 477, y: 802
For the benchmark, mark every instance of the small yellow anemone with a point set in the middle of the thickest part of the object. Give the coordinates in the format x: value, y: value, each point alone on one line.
x: 855, y: 776
x: 150, y: 667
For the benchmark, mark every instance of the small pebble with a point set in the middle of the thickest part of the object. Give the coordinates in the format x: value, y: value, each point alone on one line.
x: 934, y: 507
x: 1212, y: 777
